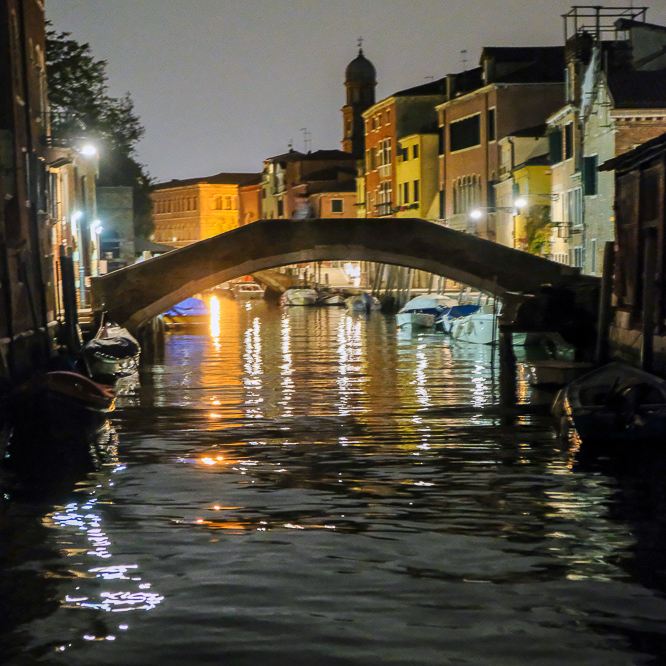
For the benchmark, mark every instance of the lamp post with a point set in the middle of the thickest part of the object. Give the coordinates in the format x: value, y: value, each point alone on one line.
x: 95, y: 230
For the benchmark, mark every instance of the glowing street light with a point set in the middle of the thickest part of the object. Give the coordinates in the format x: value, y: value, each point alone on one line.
x: 88, y: 150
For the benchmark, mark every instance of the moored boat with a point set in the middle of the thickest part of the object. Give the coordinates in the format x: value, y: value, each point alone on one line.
x: 423, y: 311
x: 362, y: 302
x: 614, y: 404
x: 112, y: 353
x: 327, y: 298
x: 190, y: 313
x: 299, y: 296
x: 62, y: 400
x: 245, y: 291
x: 479, y: 327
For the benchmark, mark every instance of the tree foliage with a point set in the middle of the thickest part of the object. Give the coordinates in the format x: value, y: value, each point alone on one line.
x: 538, y: 229
x: 82, y: 107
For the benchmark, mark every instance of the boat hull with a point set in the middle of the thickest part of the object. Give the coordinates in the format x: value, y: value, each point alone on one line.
x: 299, y: 297
x: 615, y: 404
x: 415, y: 320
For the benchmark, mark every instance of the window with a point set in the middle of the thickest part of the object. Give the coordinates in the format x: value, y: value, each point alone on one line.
x: 491, y: 124
x: 590, y: 175
x: 336, y: 205
x: 416, y: 191
x: 593, y: 256
x: 578, y: 256
x: 384, y: 152
x: 415, y: 152
x: 442, y: 204
x: 441, y: 141
x: 465, y: 133
x: 405, y: 193
x: 555, y: 145
x: 568, y: 141
x: 280, y: 208
x: 388, y: 116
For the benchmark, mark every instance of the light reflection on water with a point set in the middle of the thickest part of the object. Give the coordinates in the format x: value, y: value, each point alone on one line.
x: 304, y: 486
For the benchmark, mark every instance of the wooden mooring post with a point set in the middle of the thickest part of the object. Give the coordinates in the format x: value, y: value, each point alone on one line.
x: 507, y: 368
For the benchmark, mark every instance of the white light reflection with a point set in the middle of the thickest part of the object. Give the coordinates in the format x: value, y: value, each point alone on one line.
x: 482, y: 393
x: 215, y: 320
x: 81, y: 519
x: 350, y: 351
x: 286, y: 369
x: 253, y: 365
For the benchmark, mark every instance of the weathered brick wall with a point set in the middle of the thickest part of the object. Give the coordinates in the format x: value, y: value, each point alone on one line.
x: 631, y: 133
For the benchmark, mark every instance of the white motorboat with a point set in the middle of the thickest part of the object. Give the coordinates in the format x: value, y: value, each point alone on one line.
x: 299, y: 296
x: 479, y: 327
x: 244, y: 291
x: 422, y: 311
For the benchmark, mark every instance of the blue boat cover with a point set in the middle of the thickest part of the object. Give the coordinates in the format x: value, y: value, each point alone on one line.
x: 188, y: 307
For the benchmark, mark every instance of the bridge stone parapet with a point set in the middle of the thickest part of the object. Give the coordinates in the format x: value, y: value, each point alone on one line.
x: 135, y: 294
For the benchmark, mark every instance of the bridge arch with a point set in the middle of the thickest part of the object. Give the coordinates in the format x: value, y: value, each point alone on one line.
x: 135, y: 294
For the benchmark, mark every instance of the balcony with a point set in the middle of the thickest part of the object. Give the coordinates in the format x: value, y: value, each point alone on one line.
x: 384, y: 171
x: 384, y: 209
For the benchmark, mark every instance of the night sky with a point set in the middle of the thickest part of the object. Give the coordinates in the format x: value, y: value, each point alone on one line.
x: 222, y: 84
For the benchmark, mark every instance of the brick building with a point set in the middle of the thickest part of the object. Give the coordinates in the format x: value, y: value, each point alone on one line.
x: 27, y: 290
x: 390, y: 120
x: 293, y: 178
x: 186, y: 211
x: 519, y: 88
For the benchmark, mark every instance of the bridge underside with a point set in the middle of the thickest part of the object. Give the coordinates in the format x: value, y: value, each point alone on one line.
x: 137, y: 293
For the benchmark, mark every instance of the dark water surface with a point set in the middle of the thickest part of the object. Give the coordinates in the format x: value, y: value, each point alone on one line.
x: 303, y: 486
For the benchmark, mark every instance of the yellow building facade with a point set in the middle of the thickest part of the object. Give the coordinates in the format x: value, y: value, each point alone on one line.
x: 417, y: 177
x: 186, y: 211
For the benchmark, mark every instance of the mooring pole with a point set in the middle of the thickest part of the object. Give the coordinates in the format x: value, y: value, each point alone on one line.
x: 649, y: 295
x: 507, y: 368
x: 601, y: 354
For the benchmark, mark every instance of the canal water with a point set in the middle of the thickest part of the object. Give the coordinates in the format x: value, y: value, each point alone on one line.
x: 303, y: 486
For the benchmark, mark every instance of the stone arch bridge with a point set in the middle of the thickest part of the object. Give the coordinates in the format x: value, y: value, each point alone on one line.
x: 136, y: 294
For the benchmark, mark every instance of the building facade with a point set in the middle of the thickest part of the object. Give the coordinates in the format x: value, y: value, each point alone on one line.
x: 186, y: 211
x: 390, y: 120
x: 417, y: 176
x: 520, y: 88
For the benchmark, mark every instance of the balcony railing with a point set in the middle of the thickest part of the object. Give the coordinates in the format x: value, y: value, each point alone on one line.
x: 384, y: 209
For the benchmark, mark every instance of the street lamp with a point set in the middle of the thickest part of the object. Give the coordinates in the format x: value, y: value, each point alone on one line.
x: 95, y: 230
x: 88, y: 150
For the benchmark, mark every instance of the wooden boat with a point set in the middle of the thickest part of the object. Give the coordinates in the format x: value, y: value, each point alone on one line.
x: 190, y: 313
x: 616, y: 403
x: 61, y: 401
x: 56, y: 419
x: 112, y: 353
x: 556, y: 372
x: 245, y: 291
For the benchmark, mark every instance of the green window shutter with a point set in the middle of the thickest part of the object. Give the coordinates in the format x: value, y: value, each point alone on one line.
x: 555, y: 146
x: 590, y: 175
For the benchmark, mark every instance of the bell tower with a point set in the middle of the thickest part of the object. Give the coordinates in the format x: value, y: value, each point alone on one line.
x: 360, y: 82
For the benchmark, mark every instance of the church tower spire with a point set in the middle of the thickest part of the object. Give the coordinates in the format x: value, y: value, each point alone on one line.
x: 360, y: 82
